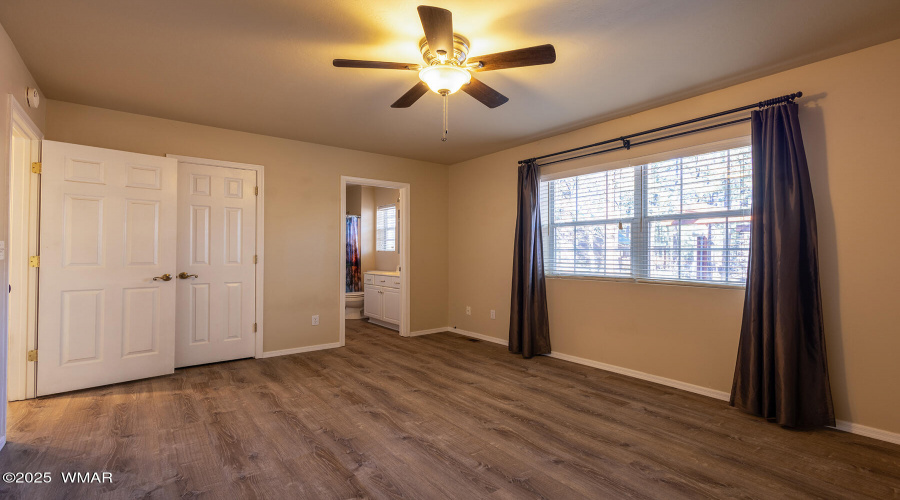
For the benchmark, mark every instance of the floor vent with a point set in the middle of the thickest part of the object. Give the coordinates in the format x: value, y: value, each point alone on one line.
x: 474, y: 340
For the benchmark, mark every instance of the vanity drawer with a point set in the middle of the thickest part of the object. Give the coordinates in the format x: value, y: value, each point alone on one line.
x: 382, y: 280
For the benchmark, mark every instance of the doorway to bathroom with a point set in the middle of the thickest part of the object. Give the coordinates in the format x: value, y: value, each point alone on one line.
x: 375, y: 241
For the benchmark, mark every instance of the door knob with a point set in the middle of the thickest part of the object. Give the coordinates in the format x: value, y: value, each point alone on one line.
x: 184, y: 276
x: 164, y: 277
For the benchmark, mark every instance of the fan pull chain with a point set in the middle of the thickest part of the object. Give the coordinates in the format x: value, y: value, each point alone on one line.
x: 446, y: 127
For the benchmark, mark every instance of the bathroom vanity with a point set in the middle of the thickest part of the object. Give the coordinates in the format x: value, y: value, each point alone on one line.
x: 382, y: 299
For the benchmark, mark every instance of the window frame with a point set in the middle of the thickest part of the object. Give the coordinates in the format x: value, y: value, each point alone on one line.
x: 640, y: 251
x: 383, y: 230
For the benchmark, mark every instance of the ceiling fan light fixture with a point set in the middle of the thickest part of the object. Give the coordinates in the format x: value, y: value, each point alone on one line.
x: 443, y: 78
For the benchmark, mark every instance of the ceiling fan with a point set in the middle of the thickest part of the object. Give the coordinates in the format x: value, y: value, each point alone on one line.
x: 448, y: 67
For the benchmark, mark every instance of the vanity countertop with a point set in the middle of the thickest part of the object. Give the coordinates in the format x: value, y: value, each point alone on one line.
x: 384, y: 273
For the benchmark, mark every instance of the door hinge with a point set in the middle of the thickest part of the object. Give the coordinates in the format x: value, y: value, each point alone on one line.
x: 36, y: 167
x: 254, y: 327
x: 32, y: 355
x: 256, y: 190
x: 255, y: 259
x: 34, y: 261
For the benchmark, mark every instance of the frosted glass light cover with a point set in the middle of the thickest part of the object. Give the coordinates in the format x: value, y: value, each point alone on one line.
x: 445, y: 78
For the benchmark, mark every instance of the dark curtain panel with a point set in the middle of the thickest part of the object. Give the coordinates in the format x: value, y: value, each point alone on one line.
x: 782, y: 371
x: 529, y: 326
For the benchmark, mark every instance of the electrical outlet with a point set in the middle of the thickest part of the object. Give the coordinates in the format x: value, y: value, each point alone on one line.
x: 493, y: 314
x: 469, y: 310
x: 315, y: 320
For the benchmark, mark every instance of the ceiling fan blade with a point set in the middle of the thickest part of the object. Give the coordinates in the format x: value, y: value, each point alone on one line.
x: 353, y: 63
x: 486, y: 95
x: 438, y: 26
x: 531, y: 56
x: 411, y: 96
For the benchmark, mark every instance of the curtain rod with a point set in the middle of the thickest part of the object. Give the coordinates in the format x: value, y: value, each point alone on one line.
x: 626, y: 139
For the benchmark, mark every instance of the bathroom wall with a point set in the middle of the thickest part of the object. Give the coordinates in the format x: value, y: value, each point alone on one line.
x: 354, y: 200
x: 367, y: 228
x: 364, y: 201
x: 388, y: 261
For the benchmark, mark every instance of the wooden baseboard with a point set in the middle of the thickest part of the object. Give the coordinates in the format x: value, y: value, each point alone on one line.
x: 297, y: 350
x: 479, y: 336
x: 677, y: 384
x: 430, y: 331
x: 864, y: 430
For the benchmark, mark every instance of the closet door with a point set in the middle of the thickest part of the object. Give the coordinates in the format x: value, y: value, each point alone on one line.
x: 216, y: 266
x: 107, y: 253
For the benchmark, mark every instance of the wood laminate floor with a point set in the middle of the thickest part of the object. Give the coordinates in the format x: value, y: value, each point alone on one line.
x: 437, y: 416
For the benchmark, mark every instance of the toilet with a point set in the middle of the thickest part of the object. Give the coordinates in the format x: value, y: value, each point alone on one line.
x: 353, y: 305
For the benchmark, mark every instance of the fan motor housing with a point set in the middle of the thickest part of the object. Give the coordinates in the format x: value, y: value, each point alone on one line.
x: 460, y: 51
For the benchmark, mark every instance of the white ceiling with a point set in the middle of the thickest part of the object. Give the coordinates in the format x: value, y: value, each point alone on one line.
x: 264, y: 66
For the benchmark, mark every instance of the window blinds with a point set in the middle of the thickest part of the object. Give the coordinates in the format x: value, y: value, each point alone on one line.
x: 683, y: 219
x: 386, y: 228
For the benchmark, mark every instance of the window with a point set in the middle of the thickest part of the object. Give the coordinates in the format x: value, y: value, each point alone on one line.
x: 386, y: 228
x: 682, y: 219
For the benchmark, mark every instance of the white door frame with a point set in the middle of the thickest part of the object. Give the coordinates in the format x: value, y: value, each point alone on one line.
x: 260, y: 233
x: 404, y: 247
x: 22, y: 374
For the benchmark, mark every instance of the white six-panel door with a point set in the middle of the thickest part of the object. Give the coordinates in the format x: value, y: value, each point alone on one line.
x: 108, y: 226
x: 216, y: 246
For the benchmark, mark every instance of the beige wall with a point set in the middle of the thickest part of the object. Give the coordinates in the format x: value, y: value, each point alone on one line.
x: 354, y: 200
x: 850, y: 114
x: 14, y: 79
x: 304, y: 262
x: 388, y: 261
x: 363, y: 201
x: 367, y: 229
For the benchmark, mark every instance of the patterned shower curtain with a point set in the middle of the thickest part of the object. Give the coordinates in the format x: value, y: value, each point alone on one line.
x: 354, y: 280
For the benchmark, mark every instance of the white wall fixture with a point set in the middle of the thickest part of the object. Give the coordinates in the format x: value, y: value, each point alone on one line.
x: 33, y: 97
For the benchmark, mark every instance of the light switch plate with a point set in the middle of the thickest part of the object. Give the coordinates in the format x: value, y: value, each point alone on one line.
x: 2, y: 250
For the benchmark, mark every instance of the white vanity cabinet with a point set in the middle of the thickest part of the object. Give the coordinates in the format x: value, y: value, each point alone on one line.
x: 382, y: 298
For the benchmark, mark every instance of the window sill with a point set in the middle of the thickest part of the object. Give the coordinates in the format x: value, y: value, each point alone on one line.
x: 692, y: 284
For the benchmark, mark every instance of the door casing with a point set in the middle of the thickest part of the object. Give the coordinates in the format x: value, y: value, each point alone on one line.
x: 405, y: 216
x: 23, y: 232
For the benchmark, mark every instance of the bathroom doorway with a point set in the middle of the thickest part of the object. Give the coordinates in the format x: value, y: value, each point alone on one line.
x: 375, y: 270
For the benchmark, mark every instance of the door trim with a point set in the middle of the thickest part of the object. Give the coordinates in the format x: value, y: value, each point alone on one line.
x: 22, y: 374
x: 405, y: 216
x: 260, y: 233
